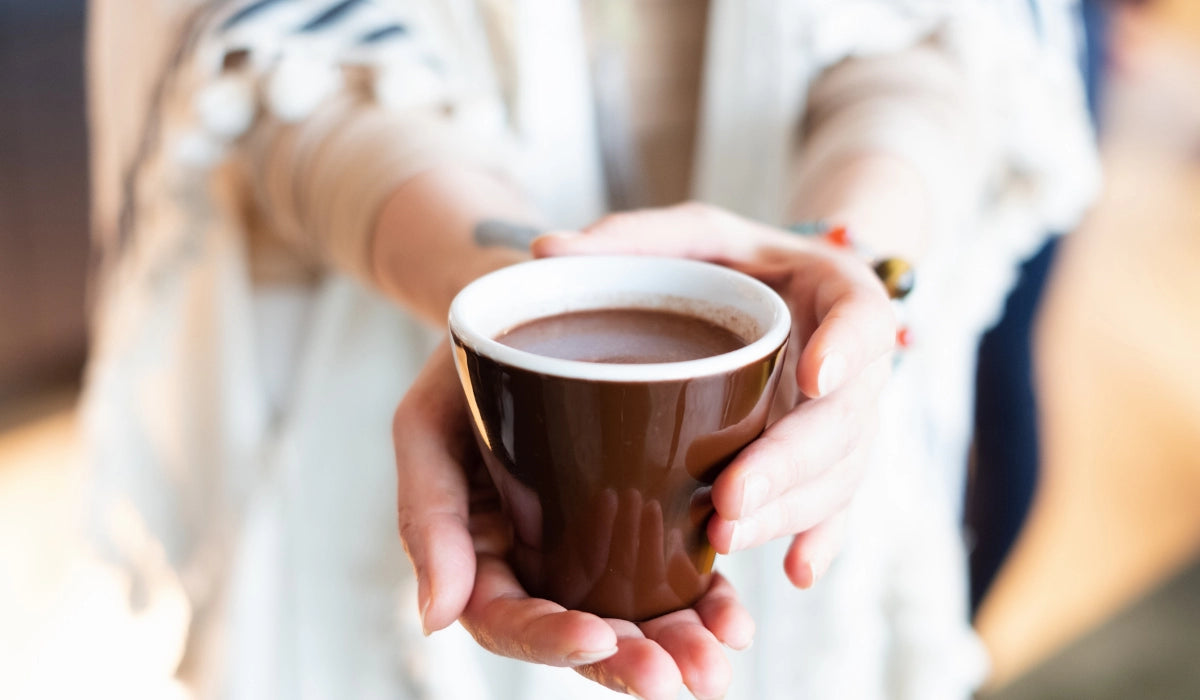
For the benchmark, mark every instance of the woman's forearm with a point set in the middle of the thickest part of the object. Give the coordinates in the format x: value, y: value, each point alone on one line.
x: 885, y: 149
x: 443, y: 228
x: 393, y: 198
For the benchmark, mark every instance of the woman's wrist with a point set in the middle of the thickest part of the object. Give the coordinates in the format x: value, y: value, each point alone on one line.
x: 440, y: 230
x: 879, y: 199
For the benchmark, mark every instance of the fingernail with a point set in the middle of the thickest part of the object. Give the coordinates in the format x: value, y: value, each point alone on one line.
x: 743, y: 535
x: 812, y: 577
x: 583, y: 658
x: 538, y: 245
x: 740, y: 644
x: 424, y: 614
x: 832, y: 374
x: 754, y: 493
x: 560, y: 235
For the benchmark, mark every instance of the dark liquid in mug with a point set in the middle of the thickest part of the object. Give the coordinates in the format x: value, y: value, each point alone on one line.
x: 623, y: 336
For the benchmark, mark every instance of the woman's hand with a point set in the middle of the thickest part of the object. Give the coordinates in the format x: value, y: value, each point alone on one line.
x: 798, y: 478
x: 456, y: 536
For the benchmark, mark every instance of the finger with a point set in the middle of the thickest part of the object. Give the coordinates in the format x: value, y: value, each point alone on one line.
x: 697, y: 653
x: 847, y: 305
x: 855, y: 324
x: 723, y: 614
x: 801, y: 445
x: 689, y: 230
x: 795, y: 511
x: 640, y: 667
x: 432, y: 492
x: 813, y: 551
x: 506, y: 621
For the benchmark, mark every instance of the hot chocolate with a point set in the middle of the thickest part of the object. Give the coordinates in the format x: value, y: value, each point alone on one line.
x: 623, y: 336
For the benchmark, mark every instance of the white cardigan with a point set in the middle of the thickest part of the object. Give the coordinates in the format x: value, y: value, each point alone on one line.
x: 272, y: 510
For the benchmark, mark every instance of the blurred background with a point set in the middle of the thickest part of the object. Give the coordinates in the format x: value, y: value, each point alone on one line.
x: 43, y: 196
x: 1098, y: 597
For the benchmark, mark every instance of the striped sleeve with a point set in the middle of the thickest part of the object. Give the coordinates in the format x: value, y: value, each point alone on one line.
x: 329, y: 105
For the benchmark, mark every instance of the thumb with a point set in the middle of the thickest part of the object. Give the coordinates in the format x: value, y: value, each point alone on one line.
x: 432, y: 493
x: 691, y: 230
x: 855, y: 325
x: 557, y: 243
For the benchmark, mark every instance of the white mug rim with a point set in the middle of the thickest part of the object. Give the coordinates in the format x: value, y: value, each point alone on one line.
x: 769, y: 340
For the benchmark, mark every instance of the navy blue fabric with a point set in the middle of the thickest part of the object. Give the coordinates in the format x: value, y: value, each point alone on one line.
x: 1006, y: 436
x: 1006, y: 449
x: 1095, y: 28
x: 384, y: 33
x: 331, y: 15
x: 247, y: 12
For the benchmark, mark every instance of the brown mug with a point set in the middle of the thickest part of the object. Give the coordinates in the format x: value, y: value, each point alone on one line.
x: 605, y: 470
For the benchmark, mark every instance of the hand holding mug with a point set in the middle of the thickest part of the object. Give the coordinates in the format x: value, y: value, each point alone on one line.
x: 795, y: 480
x: 798, y: 478
x: 458, y: 539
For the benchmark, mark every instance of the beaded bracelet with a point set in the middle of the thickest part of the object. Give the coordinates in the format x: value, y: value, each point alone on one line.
x: 896, y: 274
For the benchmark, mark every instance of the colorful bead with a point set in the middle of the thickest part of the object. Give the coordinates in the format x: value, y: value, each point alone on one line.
x: 838, y: 237
x: 897, y: 276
